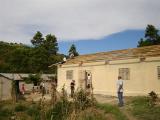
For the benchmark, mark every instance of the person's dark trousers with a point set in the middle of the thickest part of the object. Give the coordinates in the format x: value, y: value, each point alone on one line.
x: 72, y: 92
x: 120, y: 98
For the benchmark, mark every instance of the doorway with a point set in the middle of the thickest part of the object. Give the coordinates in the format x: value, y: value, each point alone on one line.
x: 85, y: 79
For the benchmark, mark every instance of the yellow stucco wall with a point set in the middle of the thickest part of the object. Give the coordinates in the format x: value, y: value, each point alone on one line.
x: 143, y: 76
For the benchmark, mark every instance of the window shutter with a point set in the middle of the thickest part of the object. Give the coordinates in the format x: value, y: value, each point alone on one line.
x: 69, y: 74
x: 124, y: 73
x: 82, y: 76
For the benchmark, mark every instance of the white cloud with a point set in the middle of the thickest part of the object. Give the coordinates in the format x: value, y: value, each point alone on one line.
x: 74, y: 19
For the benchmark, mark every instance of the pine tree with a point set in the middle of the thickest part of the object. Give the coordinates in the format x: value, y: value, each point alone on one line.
x: 72, y: 51
x: 37, y: 39
x: 151, y: 37
x: 50, y: 44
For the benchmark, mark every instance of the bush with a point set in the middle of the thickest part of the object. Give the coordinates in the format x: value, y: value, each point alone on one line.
x: 33, y: 110
x: 82, y: 100
x: 64, y: 109
x: 5, y: 112
x: 153, y: 98
x: 61, y: 110
x: 20, y: 108
x: 142, y: 109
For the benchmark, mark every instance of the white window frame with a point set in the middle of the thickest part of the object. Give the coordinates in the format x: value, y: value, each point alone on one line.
x: 69, y: 74
x: 124, y: 73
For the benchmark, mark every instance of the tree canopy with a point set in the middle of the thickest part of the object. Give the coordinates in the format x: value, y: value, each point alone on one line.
x: 50, y: 44
x: 35, y: 79
x: 73, y: 51
x: 37, y: 39
x: 151, y: 37
x: 21, y: 58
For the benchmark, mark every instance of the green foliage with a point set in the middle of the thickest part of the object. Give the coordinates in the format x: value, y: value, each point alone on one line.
x: 37, y: 39
x: 35, y: 79
x: 20, y: 108
x: 82, y: 101
x: 61, y: 110
x: 153, y: 98
x: 112, y: 109
x: 5, y: 112
x: 73, y: 51
x: 64, y: 108
x: 19, y: 58
x: 152, y: 37
x: 51, y: 44
x: 33, y: 111
x: 142, y: 109
x: 91, y: 114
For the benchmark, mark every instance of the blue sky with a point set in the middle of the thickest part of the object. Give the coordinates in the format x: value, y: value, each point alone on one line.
x: 121, y: 40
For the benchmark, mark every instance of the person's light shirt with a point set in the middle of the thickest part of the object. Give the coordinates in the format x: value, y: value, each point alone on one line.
x: 119, y: 83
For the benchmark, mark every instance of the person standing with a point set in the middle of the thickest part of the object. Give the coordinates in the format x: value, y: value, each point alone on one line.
x: 88, y: 79
x: 23, y: 89
x: 89, y: 84
x: 43, y: 88
x: 120, y: 91
x: 72, y: 85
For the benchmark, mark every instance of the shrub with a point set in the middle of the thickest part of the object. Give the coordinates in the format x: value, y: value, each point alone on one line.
x: 153, y: 98
x: 20, y: 108
x: 142, y: 109
x: 64, y: 108
x: 82, y: 100
x: 33, y: 110
x: 61, y: 110
x: 5, y: 112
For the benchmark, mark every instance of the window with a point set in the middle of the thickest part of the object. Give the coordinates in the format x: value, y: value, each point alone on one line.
x: 158, y: 72
x: 124, y: 73
x: 69, y: 74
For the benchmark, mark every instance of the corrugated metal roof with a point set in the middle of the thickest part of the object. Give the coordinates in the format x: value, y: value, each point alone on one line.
x: 148, y: 51
x: 17, y: 76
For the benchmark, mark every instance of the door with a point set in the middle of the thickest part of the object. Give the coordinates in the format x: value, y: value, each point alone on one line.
x: 88, y: 79
x: 85, y: 79
x: 82, y: 76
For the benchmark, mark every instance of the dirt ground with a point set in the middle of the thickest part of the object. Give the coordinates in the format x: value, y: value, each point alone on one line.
x: 114, y: 101
x: 106, y: 99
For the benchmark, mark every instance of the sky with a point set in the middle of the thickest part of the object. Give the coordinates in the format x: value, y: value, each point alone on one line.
x: 117, y: 41
x: 92, y: 25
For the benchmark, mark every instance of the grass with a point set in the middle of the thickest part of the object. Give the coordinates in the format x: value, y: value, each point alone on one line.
x: 6, y: 110
x: 61, y: 111
x: 91, y: 114
x: 22, y: 111
x: 141, y: 108
x: 113, y: 110
x: 138, y: 107
x: 20, y: 107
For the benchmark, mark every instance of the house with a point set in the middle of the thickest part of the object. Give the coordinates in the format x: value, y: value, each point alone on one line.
x: 7, y: 78
x: 139, y: 68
